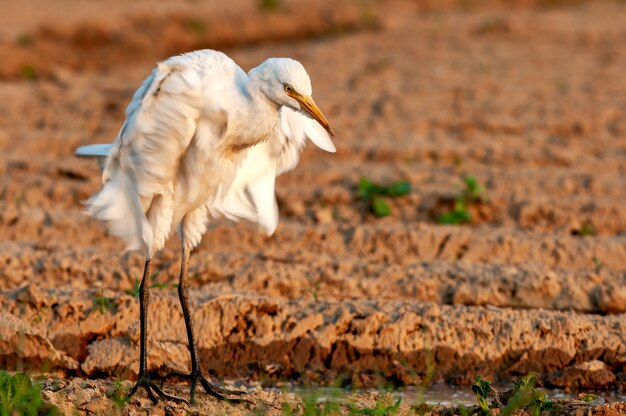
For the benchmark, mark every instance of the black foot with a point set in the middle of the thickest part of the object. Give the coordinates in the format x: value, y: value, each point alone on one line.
x: 215, y: 391
x: 151, y: 388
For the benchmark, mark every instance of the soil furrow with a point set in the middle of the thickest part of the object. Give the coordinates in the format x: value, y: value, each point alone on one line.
x: 593, y: 289
x: 360, y: 340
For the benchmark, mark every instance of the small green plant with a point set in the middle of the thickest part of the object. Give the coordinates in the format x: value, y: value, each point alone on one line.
x: 465, y: 411
x: 597, y: 263
x: 525, y: 395
x: 380, y: 208
x: 104, y: 303
x: 197, y: 26
x: 473, y: 192
x: 473, y: 189
x: 481, y: 389
x: 374, y: 193
x: 585, y: 230
x: 36, y: 319
x: 312, y: 407
x: 159, y: 286
x: 421, y: 409
x: 24, y: 40
x: 18, y: 395
x: 379, y: 409
x: 118, y: 394
x: 287, y: 409
x: 330, y: 407
x: 270, y: 5
x: 28, y: 72
x: 369, y: 18
x: 134, y: 292
x: 458, y: 215
x: 315, y: 290
x: 589, y: 397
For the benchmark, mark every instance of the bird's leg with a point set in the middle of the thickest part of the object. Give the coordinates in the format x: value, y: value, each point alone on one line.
x: 196, y: 376
x: 143, y: 380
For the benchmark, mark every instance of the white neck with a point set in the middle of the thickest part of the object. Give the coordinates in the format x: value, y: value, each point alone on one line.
x: 255, y: 120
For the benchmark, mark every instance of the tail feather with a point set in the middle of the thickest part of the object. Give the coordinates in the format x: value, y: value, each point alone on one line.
x: 99, y: 151
x: 118, y: 206
x: 94, y: 150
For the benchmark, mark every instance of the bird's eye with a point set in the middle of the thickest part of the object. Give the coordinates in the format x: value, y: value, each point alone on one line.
x: 288, y: 88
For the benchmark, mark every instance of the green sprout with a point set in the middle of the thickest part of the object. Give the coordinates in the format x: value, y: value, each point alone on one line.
x: 422, y: 408
x: 379, y: 409
x: 473, y: 192
x: 197, y: 26
x: 380, y: 207
x: 159, y: 286
x: 24, y: 39
x: 270, y: 5
x: 525, y: 395
x: 28, y: 72
x: 374, y: 193
x: 104, y: 303
x: 597, y: 263
x: 134, y: 292
x: 19, y: 396
x: 118, y: 394
x: 315, y: 290
x: 589, y: 397
x: 312, y: 407
x: 584, y: 230
x: 481, y: 389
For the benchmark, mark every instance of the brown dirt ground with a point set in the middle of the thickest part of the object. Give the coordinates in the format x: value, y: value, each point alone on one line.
x: 529, y: 98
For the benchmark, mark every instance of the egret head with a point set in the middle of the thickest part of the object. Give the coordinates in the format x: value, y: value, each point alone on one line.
x: 285, y: 82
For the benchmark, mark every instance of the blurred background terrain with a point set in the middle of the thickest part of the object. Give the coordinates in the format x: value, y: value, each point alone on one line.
x: 471, y: 223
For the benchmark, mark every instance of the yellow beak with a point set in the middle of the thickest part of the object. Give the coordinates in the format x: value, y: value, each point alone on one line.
x: 309, y: 105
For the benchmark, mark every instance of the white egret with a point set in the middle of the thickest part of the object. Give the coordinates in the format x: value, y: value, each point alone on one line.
x: 202, y: 139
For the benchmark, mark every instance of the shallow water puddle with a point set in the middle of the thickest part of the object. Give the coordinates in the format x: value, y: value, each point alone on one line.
x: 441, y: 393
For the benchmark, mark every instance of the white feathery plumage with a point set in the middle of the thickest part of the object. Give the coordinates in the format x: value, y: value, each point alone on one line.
x: 201, y: 138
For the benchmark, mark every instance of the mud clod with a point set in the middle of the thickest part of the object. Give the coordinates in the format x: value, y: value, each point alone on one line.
x: 593, y: 374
